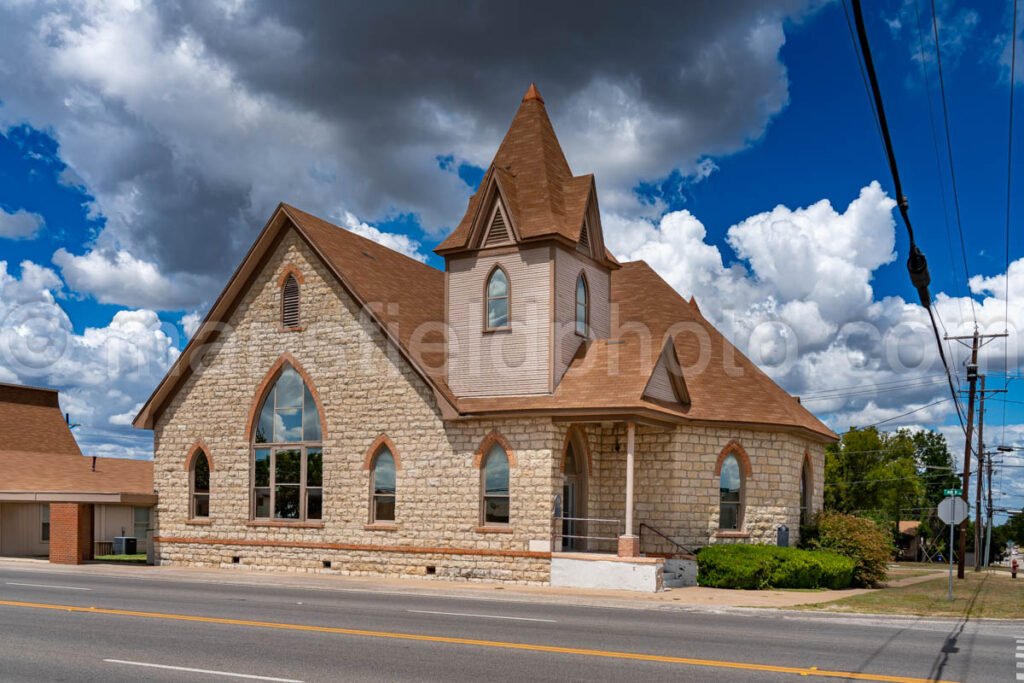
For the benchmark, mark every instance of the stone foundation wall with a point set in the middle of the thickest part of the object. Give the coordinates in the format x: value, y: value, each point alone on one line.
x: 365, y: 389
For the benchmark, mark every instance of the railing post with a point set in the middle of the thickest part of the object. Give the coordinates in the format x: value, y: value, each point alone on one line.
x: 629, y: 545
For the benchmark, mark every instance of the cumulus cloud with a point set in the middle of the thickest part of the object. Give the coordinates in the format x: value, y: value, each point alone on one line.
x: 403, y: 244
x: 188, y: 122
x: 20, y: 225
x: 103, y: 372
x: 117, y: 277
x: 798, y: 299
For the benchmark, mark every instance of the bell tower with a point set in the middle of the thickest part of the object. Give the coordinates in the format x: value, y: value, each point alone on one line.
x: 528, y: 275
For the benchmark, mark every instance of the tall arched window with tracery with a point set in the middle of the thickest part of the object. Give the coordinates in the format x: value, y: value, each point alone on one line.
x: 287, y: 452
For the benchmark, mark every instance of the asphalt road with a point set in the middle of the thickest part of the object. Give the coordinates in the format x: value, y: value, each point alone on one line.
x: 59, y: 625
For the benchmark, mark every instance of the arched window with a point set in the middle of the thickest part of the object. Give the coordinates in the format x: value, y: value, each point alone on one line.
x: 382, y: 483
x: 582, y: 306
x: 806, y: 492
x: 287, y: 481
x: 494, y: 487
x: 290, y: 302
x: 497, y: 296
x: 730, y: 510
x: 199, y: 487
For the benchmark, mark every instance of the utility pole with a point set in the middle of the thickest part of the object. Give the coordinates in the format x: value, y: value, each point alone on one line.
x: 988, y: 526
x: 972, y: 379
x: 981, y: 463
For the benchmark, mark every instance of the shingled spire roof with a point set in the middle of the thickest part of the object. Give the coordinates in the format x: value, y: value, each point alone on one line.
x: 539, y: 191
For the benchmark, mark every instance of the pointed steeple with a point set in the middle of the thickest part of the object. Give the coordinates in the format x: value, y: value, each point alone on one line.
x: 541, y: 196
x: 533, y: 94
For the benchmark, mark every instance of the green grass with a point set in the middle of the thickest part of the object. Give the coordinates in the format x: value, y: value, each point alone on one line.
x: 139, y: 557
x: 984, y: 595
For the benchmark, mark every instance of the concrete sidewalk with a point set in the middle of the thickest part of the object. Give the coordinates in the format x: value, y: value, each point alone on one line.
x: 696, y: 597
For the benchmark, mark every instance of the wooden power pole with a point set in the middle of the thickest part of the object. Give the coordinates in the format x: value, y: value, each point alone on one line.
x: 972, y: 381
x: 981, y: 476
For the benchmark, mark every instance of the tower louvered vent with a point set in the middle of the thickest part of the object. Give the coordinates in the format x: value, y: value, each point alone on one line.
x: 290, y: 302
x: 585, y: 237
x: 498, y: 232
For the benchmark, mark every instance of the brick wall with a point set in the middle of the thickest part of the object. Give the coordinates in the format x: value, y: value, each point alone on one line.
x: 70, y: 533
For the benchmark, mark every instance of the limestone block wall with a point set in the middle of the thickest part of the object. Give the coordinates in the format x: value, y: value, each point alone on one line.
x: 677, y: 491
x: 364, y: 389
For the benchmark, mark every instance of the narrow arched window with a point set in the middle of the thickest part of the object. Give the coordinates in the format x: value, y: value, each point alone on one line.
x: 494, y: 487
x: 582, y: 306
x: 497, y: 295
x: 382, y: 481
x: 290, y: 302
x: 199, y: 485
x: 806, y: 489
x: 730, y: 511
x: 287, y: 471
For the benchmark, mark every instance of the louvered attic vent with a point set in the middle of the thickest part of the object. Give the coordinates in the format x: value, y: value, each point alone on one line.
x: 585, y: 236
x: 290, y: 302
x: 498, y: 232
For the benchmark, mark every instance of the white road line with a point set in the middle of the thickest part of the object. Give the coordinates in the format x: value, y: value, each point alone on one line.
x: 228, y: 674
x: 46, y: 585
x: 480, y: 616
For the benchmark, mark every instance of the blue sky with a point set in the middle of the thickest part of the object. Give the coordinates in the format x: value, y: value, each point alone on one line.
x: 111, y: 159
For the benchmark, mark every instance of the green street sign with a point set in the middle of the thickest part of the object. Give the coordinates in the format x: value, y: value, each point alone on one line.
x: 953, y: 492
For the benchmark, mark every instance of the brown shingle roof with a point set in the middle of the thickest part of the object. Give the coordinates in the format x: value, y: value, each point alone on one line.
x: 31, y: 421
x: 35, y: 472
x: 539, y: 189
x: 611, y: 374
x: 39, y: 454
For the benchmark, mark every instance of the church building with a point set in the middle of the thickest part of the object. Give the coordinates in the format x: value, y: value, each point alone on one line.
x: 537, y: 412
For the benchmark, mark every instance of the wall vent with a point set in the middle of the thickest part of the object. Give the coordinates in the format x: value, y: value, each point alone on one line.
x: 498, y: 232
x: 290, y: 302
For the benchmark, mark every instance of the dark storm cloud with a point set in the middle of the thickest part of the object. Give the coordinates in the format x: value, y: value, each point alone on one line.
x: 189, y: 121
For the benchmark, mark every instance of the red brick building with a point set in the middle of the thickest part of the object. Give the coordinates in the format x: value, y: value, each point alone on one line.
x: 54, y: 501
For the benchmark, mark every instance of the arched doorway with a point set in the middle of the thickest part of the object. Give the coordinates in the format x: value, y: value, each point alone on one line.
x: 574, y: 492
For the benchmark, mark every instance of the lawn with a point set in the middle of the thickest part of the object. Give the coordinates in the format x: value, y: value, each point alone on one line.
x: 140, y: 557
x: 992, y: 595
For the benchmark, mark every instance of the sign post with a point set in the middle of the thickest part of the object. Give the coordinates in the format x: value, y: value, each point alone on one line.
x: 952, y: 511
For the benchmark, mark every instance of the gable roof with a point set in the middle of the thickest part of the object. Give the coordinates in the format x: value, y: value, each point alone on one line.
x: 399, y: 293
x: 39, y: 455
x: 543, y: 197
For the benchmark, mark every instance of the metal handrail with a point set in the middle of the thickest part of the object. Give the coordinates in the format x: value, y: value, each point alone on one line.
x: 558, y: 534
x: 680, y: 546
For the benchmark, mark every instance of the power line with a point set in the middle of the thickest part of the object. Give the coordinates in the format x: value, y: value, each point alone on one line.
x: 949, y: 151
x: 909, y: 412
x: 938, y: 166
x: 1009, y: 195
x: 917, y: 265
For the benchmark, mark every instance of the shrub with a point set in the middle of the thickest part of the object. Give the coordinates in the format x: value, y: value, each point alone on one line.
x: 754, y: 567
x: 857, y: 538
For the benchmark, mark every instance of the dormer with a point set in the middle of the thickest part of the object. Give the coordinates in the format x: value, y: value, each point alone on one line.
x: 539, y: 226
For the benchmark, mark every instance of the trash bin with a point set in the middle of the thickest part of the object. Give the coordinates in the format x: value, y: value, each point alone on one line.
x: 125, y: 545
x: 782, y: 536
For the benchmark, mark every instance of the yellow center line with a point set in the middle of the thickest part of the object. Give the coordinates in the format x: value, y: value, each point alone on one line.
x: 552, y: 649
